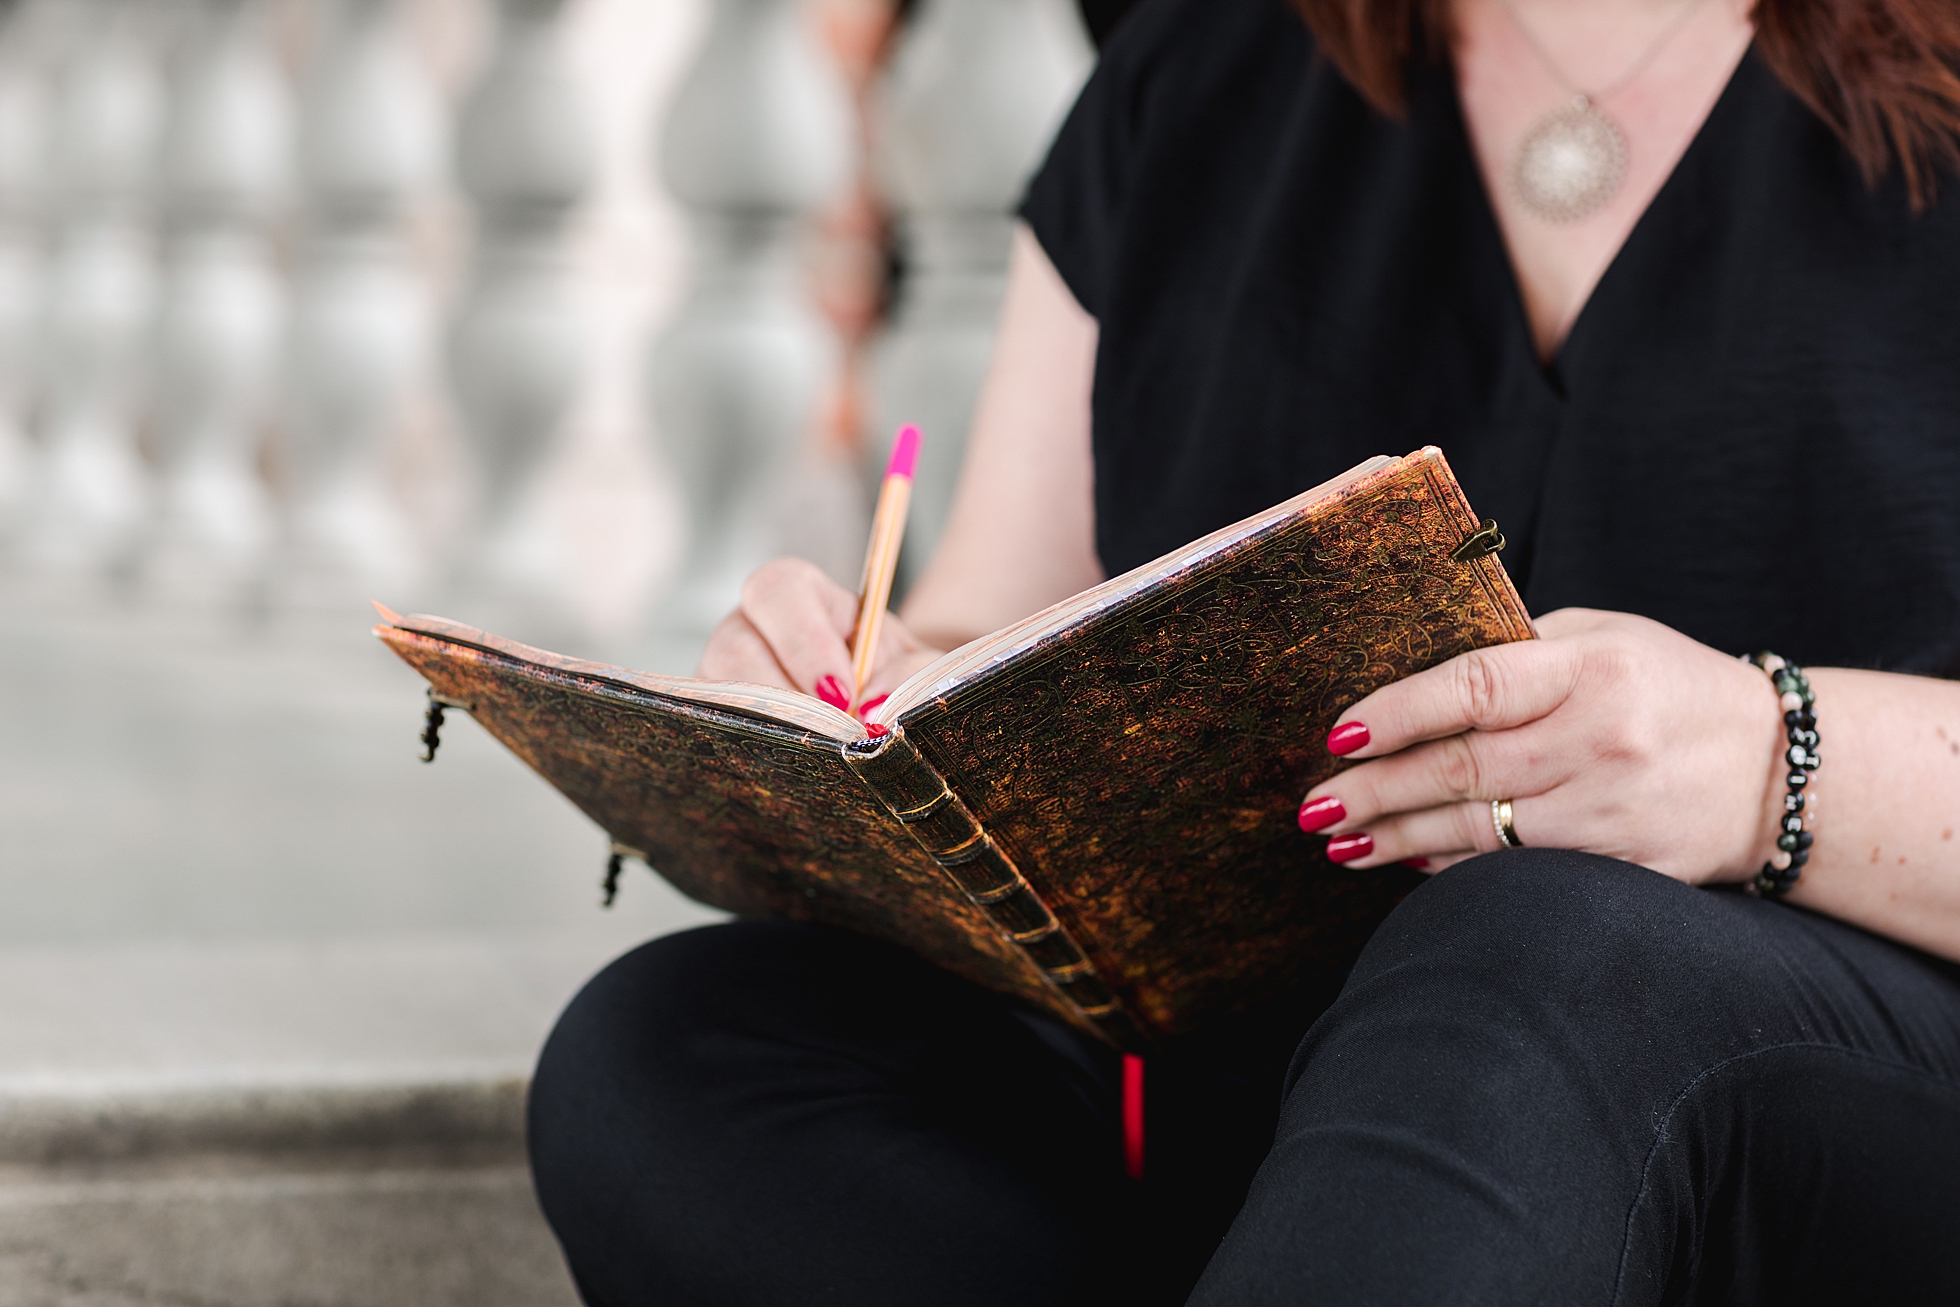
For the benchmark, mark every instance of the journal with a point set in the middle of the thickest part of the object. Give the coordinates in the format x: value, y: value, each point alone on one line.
x: 1092, y: 811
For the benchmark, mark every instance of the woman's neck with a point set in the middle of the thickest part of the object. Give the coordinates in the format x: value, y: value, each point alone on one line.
x: 1655, y: 67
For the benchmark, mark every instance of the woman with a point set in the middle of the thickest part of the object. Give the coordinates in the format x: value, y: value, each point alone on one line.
x: 1673, y: 282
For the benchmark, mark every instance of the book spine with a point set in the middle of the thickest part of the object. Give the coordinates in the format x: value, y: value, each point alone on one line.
x: 925, y: 805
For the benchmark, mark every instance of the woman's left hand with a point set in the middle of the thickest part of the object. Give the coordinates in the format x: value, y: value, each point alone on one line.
x: 1611, y: 734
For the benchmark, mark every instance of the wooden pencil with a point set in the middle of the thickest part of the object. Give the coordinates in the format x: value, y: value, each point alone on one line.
x: 881, y: 558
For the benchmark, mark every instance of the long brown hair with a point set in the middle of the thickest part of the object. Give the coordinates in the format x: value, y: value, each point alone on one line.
x: 1885, y: 74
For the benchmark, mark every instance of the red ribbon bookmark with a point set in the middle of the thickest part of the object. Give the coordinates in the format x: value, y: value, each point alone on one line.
x: 1133, y: 1116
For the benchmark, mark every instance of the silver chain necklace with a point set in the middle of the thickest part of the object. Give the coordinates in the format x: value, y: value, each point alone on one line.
x: 1573, y: 160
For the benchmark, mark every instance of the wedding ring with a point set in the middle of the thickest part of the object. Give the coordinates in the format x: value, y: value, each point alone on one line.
x: 1500, y: 820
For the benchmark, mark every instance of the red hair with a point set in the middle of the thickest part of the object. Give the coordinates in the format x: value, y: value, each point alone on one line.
x: 1885, y: 74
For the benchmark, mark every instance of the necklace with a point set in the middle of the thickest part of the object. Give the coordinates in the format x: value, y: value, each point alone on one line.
x: 1574, y: 159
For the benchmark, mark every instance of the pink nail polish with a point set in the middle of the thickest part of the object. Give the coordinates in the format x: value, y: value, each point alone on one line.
x: 1319, y: 814
x: 1343, y: 740
x: 1420, y: 864
x: 865, y: 708
x: 831, y: 691
x: 876, y: 732
x: 1346, y: 848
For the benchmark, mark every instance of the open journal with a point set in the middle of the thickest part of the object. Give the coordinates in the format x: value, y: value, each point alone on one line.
x: 1092, y: 811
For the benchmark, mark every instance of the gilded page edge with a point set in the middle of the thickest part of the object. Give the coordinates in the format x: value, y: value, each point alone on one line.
x: 960, y: 671
x: 763, y: 703
x: 570, y: 674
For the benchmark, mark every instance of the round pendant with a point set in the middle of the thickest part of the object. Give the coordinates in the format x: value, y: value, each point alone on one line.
x: 1571, y: 163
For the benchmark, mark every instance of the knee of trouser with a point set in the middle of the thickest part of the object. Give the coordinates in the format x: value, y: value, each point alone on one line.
x: 1545, y: 948
x: 623, y: 1096
x: 1528, y: 909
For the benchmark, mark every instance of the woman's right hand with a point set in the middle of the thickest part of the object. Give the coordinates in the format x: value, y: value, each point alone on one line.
x: 793, y: 629
x: 1020, y: 535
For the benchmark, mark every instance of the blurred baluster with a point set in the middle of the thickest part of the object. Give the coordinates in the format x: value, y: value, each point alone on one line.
x: 758, y: 139
x: 225, y: 168
x: 22, y: 199
x: 829, y: 508
x: 970, y: 100
x: 371, y: 142
x: 517, y: 350
x: 851, y: 232
x: 94, y: 488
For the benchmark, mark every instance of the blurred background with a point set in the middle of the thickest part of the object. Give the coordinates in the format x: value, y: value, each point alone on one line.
x: 551, y: 316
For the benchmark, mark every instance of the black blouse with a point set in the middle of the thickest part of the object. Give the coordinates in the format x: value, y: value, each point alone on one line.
x: 1751, y: 434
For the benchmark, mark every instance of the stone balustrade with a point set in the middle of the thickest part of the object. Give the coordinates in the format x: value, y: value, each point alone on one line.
x: 971, y: 98
x: 289, y: 314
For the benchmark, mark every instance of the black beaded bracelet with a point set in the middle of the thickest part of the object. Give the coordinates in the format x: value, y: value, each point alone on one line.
x: 1800, y: 721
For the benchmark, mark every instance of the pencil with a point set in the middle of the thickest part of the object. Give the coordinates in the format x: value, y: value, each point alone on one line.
x: 881, y: 558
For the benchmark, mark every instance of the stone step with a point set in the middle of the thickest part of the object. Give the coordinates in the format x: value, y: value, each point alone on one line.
x: 317, y: 1123
x: 240, y: 1196
x: 339, y: 1232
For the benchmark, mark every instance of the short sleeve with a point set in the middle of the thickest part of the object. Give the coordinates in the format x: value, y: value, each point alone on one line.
x: 1075, y: 203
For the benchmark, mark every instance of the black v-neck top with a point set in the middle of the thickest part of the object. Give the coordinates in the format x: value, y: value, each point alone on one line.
x: 1751, y: 434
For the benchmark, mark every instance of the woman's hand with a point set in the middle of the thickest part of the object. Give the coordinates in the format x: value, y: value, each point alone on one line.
x: 1612, y: 734
x: 793, y: 629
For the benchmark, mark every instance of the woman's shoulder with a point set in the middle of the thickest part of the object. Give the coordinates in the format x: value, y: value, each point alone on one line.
x: 1177, y: 80
x: 1178, y: 47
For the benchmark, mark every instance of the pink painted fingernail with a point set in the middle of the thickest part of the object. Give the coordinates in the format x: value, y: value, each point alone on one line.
x: 865, y: 708
x: 1343, y: 740
x: 1420, y: 864
x: 831, y: 691
x: 1319, y: 814
x: 1346, y: 848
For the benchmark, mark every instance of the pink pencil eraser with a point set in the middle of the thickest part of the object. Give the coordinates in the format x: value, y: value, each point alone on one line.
x: 905, y: 452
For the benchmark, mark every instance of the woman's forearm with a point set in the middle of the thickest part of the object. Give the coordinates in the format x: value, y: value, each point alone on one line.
x: 1887, y: 850
x: 1022, y: 531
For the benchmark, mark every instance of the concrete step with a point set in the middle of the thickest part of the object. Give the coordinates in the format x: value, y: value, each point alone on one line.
x: 318, y: 1124
x: 334, y: 1232
x: 241, y: 1196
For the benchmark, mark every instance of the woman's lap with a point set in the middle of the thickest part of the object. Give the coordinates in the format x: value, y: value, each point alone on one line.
x: 770, y: 1113
x: 1558, y: 1078
x: 1550, y: 1077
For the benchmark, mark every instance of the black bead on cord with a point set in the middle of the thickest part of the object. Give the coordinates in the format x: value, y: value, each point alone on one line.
x: 1800, y: 724
x: 432, y: 728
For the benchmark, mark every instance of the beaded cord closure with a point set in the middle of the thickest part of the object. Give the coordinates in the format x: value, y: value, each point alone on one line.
x: 1799, y: 706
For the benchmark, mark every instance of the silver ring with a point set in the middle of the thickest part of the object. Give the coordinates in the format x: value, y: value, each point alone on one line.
x: 1500, y: 820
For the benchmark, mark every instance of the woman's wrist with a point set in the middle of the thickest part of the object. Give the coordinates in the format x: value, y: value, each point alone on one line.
x: 1887, y: 855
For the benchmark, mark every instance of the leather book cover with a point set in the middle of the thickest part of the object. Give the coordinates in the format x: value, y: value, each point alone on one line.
x: 1145, y: 769
x: 1094, y: 811
x: 738, y: 810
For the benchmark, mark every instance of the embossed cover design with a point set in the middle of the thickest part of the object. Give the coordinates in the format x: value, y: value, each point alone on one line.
x: 1091, y: 812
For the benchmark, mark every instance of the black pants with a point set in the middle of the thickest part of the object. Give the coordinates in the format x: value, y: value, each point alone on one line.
x: 1551, y: 1078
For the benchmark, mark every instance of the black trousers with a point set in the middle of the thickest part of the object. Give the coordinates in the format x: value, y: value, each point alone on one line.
x: 1551, y: 1078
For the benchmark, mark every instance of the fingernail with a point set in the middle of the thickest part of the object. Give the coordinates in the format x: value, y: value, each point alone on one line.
x: 831, y: 691
x: 1346, y: 848
x: 1319, y: 814
x: 876, y: 732
x: 1420, y: 864
x: 1343, y: 740
x: 864, y: 709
